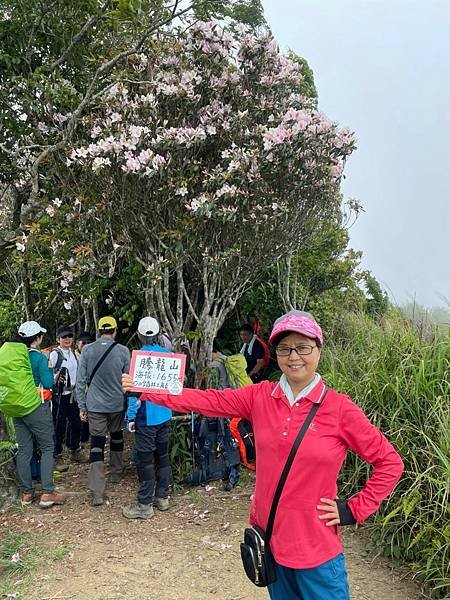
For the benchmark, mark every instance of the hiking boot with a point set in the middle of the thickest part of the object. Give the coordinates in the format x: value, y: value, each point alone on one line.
x: 48, y: 500
x: 161, y: 503
x: 227, y: 486
x: 138, y: 511
x: 26, y: 498
x: 115, y: 477
x: 60, y: 465
x: 97, y: 501
x: 77, y: 456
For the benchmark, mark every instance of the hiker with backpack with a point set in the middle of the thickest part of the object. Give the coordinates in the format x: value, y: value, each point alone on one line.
x: 256, y: 324
x: 66, y: 415
x: 303, y: 431
x: 101, y: 404
x: 24, y: 375
x: 150, y: 424
x: 230, y: 371
x: 254, y: 352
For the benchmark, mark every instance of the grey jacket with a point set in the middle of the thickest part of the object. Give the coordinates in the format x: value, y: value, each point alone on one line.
x: 105, y: 393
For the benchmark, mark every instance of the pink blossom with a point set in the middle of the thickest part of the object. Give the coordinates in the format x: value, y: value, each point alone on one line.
x: 145, y: 156
x: 96, y: 131
x: 99, y: 162
x: 132, y: 165
x: 158, y: 161
x: 275, y: 136
x: 226, y: 190
x: 336, y: 170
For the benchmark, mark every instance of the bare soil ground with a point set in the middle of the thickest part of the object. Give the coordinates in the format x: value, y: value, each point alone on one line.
x: 190, y: 552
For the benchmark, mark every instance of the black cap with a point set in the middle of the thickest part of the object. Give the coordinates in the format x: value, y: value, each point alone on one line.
x: 86, y: 337
x: 64, y: 330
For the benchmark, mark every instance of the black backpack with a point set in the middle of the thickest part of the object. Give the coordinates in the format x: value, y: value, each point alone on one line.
x: 242, y: 431
x: 216, y: 453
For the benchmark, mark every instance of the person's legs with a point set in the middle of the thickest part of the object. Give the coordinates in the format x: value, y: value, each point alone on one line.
x: 84, y: 431
x: 328, y: 580
x: 285, y: 587
x: 115, y: 423
x: 145, y: 444
x: 41, y: 424
x: 162, y: 462
x: 73, y: 414
x: 25, y: 452
x: 61, y: 423
x: 98, y: 427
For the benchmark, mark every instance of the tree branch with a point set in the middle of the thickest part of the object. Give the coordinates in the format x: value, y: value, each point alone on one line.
x: 76, y: 39
x: 101, y: 71
x: 161, y: 308
x: 166, y: 298
x: 188, y: 300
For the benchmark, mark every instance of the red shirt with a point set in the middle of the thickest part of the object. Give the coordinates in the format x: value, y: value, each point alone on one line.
x: 300, y: 540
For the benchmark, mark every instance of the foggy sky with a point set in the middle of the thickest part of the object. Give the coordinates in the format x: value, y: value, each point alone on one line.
x: 382, y: 67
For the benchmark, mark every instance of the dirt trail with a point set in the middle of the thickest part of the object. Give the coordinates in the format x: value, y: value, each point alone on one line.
x: 190, y: 552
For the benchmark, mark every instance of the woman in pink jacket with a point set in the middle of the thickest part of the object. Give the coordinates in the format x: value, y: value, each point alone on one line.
x: 305, y: 542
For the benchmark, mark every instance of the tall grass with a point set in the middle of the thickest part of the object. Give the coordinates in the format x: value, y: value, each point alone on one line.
x: 402, y: 381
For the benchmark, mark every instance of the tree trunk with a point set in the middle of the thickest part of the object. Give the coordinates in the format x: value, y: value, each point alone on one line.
x: 86, y: 315
x: 26, y: 291
x: 95, y: 311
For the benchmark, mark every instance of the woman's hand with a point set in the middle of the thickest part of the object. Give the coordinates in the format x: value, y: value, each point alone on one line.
x: 127, y: 383
x: 330, y: 512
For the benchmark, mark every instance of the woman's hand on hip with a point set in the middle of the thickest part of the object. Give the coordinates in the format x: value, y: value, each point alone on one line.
x: 329, y: 512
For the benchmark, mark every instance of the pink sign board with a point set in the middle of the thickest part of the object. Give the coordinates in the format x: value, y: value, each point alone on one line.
x: 157, y: 372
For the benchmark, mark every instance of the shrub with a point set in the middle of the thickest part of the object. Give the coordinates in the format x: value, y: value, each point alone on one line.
x: 402, y: 382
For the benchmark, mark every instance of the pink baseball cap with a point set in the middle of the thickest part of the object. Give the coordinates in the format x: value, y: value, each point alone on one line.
x: 296, y: 321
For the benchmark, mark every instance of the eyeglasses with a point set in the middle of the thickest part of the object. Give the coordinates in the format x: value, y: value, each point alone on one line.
x: 68, y: 335
x: 302, y: 350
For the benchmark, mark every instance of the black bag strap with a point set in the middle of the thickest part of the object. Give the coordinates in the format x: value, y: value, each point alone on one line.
x: 60, y: 359
x: 100, y: 362
x: 288, y: 465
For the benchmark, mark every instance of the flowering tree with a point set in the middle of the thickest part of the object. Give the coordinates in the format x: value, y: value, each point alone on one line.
x: 57, y: 59
x: 212, y: 164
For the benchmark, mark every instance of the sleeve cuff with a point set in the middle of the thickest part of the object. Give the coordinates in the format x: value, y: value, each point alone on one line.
x: 345, y: 514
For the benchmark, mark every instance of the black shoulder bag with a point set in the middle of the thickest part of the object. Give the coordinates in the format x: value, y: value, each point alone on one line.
x: 259, y: 564
x: 100, y: 362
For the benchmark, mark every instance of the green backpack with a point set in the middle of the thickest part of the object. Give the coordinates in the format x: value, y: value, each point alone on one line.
x: 236, y: 366
x: 18, y: 395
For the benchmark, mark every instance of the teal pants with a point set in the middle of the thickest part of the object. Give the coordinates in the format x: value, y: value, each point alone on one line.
x: 328, y: 581
x: 39, y: 424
